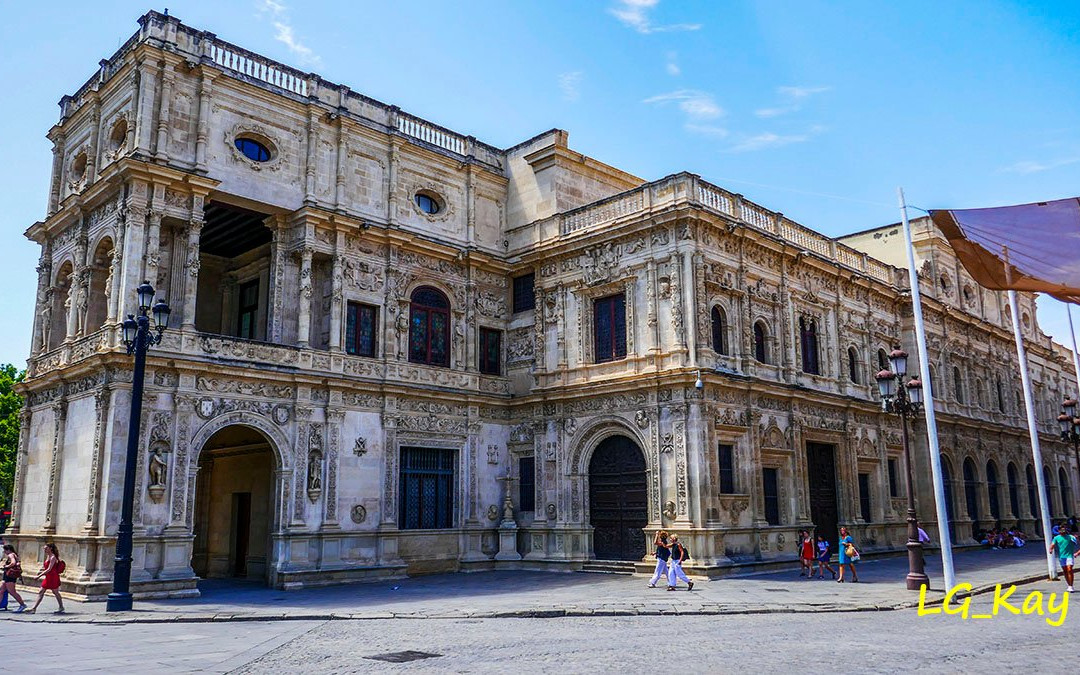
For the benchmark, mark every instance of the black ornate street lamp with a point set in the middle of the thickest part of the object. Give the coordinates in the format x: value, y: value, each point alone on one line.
x: 905, y: 400
x: 1070, y: 426
x: 138, y: 338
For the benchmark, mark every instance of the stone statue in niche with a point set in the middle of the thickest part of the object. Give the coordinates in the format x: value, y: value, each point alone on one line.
x: 314, y: 480
x: 158, y: 470
x: 82, y: 303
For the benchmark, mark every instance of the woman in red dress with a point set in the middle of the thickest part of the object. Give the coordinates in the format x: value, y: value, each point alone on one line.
x: 51, y: 582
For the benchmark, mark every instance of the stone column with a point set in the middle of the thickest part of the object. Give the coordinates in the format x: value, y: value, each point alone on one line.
x: 202, y: 132
x: 310, y: 161
x: 59, y: 410
x: 653, y: 340
x: 337, y: 299
x: 191, y: 269
x: 95, y: 136
x: 153, y: 248
x: 71, y: 307
x: 57, y: 181
x: 334, y: 420
x: 93, y: 497
x: 43, y: 315
x: 690, y: 296
x: 678, y: 323
x: 161, y: 150
x: 277, y: 279
x: 303, y: 331
x: 21, y: 459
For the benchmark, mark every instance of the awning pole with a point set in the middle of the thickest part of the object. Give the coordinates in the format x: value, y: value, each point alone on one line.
x: 1029, y: 405
x: 928, y: 397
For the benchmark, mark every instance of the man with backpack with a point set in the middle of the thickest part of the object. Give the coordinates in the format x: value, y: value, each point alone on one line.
x: 678, y: 555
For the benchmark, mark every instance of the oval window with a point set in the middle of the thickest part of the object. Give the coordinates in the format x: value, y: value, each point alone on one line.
x: 427, y: 203
x: 253, y: 150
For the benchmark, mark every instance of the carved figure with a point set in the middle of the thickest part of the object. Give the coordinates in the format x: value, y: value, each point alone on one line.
x: 158, y: 468
x: 314, y: 480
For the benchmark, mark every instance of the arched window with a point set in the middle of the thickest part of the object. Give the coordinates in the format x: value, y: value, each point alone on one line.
x: 429, y: 327
x: 971, y: 494
x: 1049, y: 497
x: 761, y: 342
x: 992, y: 490
x: 946, y: 480
x: 1066, y: 493
x: 1000, y: 395
x: 979, y: 392
x: 853, y: 365
x: 883, y: 360
x: 934, y: 383
x: 958, y: 384
x: 1014, y: 489
x: 1019, y: 398
x: 1033, y: 497
x: 808, y: 340
x: 719, y: 330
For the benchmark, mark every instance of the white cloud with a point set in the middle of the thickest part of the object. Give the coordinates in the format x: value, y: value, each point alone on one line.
x: 635, y: 14
x: 792, y: 97
x: 672, y: 65
x: 1031, y: 166
x: 798, y: 93
x: 279, y: 14
x: 570, y: 84
x: 697, y: 105
x: 766, y: 140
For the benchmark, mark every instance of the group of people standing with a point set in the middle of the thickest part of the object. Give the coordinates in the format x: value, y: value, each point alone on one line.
x: 670, y: 555
x: 820, y: 553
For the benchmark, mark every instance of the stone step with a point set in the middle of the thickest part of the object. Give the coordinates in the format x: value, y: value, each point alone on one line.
x: 609, y: 567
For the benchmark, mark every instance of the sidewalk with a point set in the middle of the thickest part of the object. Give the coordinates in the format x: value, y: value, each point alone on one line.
x: 545, y: 594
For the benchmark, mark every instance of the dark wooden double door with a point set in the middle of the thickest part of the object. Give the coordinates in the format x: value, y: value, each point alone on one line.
x: 618, y: 500
x: 821, y: 469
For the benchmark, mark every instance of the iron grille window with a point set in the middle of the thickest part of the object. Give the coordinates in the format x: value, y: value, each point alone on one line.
x: 1014, y: 491
x: 770, y: 488
x: 853, y: 364
x: 610, y: 316
x: 864, y: 496
x: 1049, y: 496
x: 527, y: 484
x: 727, y: 468
x: 524, y: 294
x: 360, y: 329
x: 808, y: 336
x: 992, y: 490
x: 248, y: 312
x: 894, y: 490
x: 429, y: 327
x: 490, y: 351
x: 428, y: 477
x: 719, y: 331
x: 1033, y: 499
x: 761, y: 351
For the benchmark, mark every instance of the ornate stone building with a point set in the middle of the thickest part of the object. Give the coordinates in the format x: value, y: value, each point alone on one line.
x: 382, y: 329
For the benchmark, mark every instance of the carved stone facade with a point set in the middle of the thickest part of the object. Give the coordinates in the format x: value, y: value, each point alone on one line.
x: 294, y: 348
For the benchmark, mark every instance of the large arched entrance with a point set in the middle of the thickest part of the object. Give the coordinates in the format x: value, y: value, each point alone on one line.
x: 618, y: 499
x: 234, y: 509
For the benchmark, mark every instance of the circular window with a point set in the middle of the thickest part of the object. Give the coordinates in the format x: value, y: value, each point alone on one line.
x: 253, y: 150
x: 428, y: 203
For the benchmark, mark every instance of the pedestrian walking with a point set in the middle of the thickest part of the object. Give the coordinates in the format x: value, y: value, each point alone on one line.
x: 50, y: 578
x: 806, y: 553
x: 3, y: 588
x: 823, y: 556
x: 12, y: 571
x: 674, y: 573
x: 1065, y: 545
x: 849, y: 555
x: 663, y: 554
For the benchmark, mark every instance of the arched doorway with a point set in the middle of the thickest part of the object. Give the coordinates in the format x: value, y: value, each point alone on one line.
x: 234, y: 507
x: 618, y: 499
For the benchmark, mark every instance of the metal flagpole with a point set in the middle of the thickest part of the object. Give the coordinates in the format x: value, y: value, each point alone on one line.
x: 1029, y: 406
x: 928, y: 397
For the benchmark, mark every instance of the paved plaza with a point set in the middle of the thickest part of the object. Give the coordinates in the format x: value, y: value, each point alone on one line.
x: 545, y: 622
x: 544, y: 594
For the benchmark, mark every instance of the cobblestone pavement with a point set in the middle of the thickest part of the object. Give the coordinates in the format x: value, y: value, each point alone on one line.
x: 545, y: 594
x: 826, y: 642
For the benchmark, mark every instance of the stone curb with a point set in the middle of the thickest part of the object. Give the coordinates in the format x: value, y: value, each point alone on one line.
x: 536, y: 613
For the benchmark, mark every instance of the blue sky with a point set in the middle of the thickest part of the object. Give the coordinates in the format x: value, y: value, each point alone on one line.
x: 818, y: 110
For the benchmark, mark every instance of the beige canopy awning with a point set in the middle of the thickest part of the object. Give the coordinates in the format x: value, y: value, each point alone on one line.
x: 1040, y: 242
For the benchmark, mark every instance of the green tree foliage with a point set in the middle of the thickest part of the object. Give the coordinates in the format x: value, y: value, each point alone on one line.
x: 10, y: 405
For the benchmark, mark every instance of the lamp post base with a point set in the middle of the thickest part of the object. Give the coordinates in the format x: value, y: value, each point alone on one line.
x: 916, y: 576
x: 118, y: 602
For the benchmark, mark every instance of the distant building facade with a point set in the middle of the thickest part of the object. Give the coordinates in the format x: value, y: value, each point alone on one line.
x: 380, y: 326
